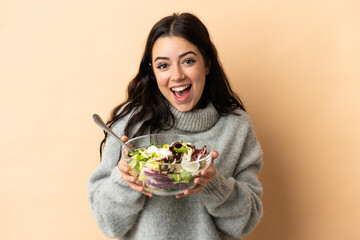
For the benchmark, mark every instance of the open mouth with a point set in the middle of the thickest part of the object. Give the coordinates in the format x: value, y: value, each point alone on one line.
x: 181, y: 93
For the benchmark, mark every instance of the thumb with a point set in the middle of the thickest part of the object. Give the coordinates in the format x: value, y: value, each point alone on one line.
x: 214, y: 154
x: 124, y: 138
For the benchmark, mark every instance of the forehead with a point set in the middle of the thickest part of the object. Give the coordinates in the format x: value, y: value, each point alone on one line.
x: 172, y: 46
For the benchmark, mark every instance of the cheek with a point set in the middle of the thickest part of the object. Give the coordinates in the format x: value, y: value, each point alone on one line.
x: 161, y: 81
x: 199, y: 77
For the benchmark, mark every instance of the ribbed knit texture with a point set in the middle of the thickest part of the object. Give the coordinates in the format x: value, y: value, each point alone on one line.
x: 195, y: 121
x: 227, y: 208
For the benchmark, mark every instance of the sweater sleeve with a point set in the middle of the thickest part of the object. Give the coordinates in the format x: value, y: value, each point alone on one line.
x: 234, y: 202
x: 114, y: 204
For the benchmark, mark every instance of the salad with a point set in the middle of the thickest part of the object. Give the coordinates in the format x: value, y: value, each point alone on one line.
x: 168, y: 167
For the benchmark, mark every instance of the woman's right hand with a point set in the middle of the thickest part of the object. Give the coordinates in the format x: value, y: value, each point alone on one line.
x: 131, y: 180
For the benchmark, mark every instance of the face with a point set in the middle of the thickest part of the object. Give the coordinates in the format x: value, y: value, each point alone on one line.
x: 180, y: 71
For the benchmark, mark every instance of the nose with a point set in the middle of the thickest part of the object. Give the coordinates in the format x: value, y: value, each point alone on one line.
x: 177, y: 73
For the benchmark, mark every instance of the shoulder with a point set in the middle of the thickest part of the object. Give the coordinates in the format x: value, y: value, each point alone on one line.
x: 119, y: 126
x: 123, y: 122
x: 237, y: 126
x: 238, y: 118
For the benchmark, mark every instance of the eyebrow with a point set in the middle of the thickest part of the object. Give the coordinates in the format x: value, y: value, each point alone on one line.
x: 181, y: 55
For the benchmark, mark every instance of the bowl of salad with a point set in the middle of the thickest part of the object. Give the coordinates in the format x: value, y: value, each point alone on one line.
x: 167, y: 164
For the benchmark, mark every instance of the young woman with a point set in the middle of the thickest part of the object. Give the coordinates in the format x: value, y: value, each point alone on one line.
x: 181, y: 88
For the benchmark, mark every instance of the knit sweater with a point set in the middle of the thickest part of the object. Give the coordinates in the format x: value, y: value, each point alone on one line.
x: 227, y: 208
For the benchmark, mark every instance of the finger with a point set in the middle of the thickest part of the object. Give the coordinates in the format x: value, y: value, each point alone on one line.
x: 214, y: 154
x: 129, y: 178
x: 210, y: 172
x: 148, y: 193
x: 136, y: 185
x: 202, y: 181
x: 141, y: 189
x: 124, y: 138
x: 189, y: 192
x: 206, y: 175
x: 123, y: 167
x: 126, y: 173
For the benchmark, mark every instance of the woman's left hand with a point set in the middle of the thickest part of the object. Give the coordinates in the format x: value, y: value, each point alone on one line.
x: 205, y: 179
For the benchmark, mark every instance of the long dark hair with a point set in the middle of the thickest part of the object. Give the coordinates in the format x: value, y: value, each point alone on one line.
x: 144, y: 99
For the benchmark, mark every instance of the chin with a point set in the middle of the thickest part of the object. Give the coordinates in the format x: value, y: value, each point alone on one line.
x: 183, y: 108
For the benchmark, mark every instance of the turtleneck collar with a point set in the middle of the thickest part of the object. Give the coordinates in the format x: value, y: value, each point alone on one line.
x: 195, y: 121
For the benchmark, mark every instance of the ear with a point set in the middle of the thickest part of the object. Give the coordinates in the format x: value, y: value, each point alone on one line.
x: 207, y: 68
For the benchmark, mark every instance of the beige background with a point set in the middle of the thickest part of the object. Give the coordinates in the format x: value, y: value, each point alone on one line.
x: 295, y: 64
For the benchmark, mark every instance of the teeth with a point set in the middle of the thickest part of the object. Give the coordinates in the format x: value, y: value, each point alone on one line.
x: 179, y: 89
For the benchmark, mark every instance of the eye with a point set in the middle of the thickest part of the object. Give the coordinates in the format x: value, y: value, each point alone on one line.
x: 189, y: 61
x: 162, y: 66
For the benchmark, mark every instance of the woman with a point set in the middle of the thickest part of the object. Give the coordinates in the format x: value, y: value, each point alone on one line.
x: 181, y: 88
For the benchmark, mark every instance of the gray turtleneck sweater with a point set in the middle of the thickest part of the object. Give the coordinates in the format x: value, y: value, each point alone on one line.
x: 227, y: 208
